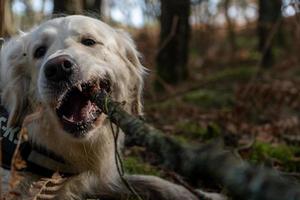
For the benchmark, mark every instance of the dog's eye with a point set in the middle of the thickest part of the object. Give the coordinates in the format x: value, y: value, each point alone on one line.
x: 88, y: 42
x: 40, y: 52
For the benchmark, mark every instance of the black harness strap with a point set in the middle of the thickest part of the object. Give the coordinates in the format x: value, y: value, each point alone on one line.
x: 39, y: 160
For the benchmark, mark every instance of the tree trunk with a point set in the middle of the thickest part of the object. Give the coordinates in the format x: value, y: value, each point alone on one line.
x: 174, y: 37
x: 69, y: 7
x: 268, y: 28
x: 59, y: 6
x: 230, y: 27
x: 2, y: 18
x: 93, y: 6
x: 6, y: 19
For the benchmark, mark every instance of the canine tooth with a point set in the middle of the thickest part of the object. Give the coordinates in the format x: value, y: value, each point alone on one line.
x: 79, y: 87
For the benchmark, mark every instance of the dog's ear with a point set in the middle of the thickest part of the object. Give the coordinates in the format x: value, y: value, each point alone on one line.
x: 14, y: 81
x: 132, y: 57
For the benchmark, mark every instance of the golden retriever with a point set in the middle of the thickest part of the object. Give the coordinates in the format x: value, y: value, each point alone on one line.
x: 52, y: 69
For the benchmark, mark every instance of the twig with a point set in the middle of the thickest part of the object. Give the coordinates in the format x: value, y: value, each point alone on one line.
x: 119, y: 161
x: 170, y: 36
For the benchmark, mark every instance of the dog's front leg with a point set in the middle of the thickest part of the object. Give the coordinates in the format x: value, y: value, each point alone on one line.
x: 153, y: 188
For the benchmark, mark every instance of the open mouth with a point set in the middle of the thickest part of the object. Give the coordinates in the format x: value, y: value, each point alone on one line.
x: 75, y: 110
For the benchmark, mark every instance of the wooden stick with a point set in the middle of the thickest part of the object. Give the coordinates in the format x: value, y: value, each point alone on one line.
x: 241, y: 179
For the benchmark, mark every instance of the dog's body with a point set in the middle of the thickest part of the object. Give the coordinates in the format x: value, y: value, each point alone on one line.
x: 51, y: 71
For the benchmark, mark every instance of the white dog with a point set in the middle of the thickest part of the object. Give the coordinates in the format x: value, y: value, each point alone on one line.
x: 53, y: 69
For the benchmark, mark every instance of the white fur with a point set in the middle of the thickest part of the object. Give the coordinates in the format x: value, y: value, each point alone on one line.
x: 25, y: 90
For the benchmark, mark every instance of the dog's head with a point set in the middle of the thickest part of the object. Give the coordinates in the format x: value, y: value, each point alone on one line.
x: 58, y: 64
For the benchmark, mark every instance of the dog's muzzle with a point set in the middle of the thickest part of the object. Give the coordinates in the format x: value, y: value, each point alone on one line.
x: 72, y: 105
x: 60, y: 69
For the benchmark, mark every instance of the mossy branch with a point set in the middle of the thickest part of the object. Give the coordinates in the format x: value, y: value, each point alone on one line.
x: 242, y: 180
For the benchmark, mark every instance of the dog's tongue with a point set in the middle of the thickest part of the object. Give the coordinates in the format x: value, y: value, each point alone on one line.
x: 78, y: 108
x: 81, y: 107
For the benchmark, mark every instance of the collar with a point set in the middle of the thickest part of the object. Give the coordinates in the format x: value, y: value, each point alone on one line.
x: 39, y: 160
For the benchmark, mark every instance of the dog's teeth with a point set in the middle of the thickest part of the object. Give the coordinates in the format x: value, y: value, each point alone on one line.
x: 79, y: 87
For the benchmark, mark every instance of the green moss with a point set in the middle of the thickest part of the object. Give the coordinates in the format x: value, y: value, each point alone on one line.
x: 194, y: 52
x: 135, y: 165
x: 192, y: 130
x: 281, y: 153
x: 182, y: 139
x: 246, y: 42
x: 209, y: 98
x: 254, y: 55
x: 232, y: 74
x: 163, y: 105
x: 278, y: 52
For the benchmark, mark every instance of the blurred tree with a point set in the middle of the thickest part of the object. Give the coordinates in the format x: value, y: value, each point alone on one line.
x: 268, y: 28
x: 2, y: 18
x: 30, y: 13
x: 6, y: 19
x: 77, y: 6
x: 172, y: 56
x: 93, y: 6
x: 230, y: 27
x: 151, y: 10
x: 68, y: 6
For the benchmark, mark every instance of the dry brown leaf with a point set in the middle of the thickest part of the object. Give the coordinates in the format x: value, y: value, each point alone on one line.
x: 46, y: 188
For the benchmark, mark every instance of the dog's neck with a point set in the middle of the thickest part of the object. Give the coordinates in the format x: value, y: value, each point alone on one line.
x: 90, y: 154
x: 38, y: 159
x: 48, y: 150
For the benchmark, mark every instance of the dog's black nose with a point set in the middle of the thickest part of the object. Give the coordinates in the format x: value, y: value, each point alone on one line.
x: 59, y: 68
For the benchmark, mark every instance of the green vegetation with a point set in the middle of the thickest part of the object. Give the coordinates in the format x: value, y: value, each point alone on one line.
x: 209, y: 98
x: 283, y: 155
x: 246, y: 41
x: 243, y: 73
x: 135, y: 165
x: 192, y: 130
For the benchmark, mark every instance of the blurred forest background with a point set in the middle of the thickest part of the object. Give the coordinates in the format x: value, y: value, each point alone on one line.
x: 225, y: 70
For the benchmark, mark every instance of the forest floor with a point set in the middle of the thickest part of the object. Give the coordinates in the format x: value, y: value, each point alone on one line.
x: 253, y: 111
